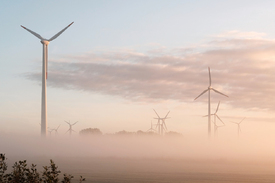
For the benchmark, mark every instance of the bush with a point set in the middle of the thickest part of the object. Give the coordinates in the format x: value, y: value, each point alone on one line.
x: 90, y: 131
x: 23, y: 174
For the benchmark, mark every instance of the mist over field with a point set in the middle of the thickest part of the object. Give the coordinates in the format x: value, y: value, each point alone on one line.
x: 109, y: 155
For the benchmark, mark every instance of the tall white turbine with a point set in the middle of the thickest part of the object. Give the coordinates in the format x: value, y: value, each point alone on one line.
x: 209, y: 106
x: 45, y: 43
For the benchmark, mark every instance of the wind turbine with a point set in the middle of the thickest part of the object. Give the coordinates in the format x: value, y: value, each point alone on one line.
x: 45, y: 43
x: 209, y: 106
x: 216, y: 116
x: 161, y: 125
x: 71, y: 129
x: 216, y: 127
x: 151, y: 129
x: 50, y: 131
x: 56, y: 130
x: 239, y: 127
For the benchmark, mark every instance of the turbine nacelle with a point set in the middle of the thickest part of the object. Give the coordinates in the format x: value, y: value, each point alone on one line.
x: 46, y: 42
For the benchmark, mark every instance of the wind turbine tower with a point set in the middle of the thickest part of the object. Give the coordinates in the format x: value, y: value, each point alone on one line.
x: 45, y: 43
x: 71, y: 129
x: 209, y: 106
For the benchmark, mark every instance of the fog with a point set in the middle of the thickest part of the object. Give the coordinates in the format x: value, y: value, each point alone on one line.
x: 153, y: 153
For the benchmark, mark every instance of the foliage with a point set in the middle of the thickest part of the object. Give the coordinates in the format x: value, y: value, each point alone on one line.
x: 123, y: 132
x: 90, y: 131
x: 172, y: 133
x: 139, y: 132
x: 23, y: 174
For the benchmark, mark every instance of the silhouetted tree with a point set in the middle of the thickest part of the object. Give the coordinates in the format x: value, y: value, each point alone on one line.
x: 90, y: 131
x: 172, y: 133
x: 22, y: 174
x: 123, y: 132
x: 140, y: 132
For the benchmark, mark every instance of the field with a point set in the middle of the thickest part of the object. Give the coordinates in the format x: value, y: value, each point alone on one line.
x: 137, y: 170
x: 149, y: 159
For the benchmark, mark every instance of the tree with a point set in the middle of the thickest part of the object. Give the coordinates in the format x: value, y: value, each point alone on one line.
x: 21, y: 173
x: 90, y: 131
x: 123, y: 132
x: 172, y: 133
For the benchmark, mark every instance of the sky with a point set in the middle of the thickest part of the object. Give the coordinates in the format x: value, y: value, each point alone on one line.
x: 122, y: 59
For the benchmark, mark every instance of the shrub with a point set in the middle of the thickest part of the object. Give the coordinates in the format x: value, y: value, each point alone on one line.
x: 90, y: 131
x: 21, y: 173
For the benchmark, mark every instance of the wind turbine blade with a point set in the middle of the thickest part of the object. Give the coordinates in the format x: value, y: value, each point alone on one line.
x: 241, y: 121
x: 219, y: 92
x: 166, y: 115
x: 74, y: 123
x: 67, y: 131
x: 240, y: 129
x: 207, y: 115
x: 33, y: 33
x: 201, y: 94
x: 209, y: 76
x: 219, y: 119
x: 156, y: 113
x: 55, y: 36
x: 217, y: 107
x: 58, y: 127
x: 68, y: 122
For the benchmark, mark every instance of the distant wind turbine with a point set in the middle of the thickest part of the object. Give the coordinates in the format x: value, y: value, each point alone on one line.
x: 216, y: 127
x: 56, y: 130
x: 209, y: 106
x: 161, y: 126
x: 239, y: 127
x: 45, y: 43
x: 50, y: 131
x: 71, y: 129
x: 216, y: 116
x: 151, y: 129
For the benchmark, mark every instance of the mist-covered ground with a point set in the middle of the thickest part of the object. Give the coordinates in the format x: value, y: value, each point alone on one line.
x: 133, y: 158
